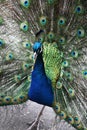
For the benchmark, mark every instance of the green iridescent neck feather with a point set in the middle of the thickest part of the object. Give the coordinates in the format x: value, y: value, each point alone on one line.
x: 52, y: 61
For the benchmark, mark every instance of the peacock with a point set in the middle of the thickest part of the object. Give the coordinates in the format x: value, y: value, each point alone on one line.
x: 48, y: 64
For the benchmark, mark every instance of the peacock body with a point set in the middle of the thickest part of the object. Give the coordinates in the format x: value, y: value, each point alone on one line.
x: 57, y: 32
x: 40, y: 92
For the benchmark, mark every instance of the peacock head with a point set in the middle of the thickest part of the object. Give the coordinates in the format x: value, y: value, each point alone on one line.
x: 37, y: 48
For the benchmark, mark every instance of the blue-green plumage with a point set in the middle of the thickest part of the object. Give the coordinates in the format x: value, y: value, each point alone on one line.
x: 59, y: 76
x: 40, y: 90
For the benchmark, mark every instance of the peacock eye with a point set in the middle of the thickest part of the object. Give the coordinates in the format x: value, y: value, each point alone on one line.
x: 25, y: 3
x: 74, y: 54
x: 77, y: 120
x: 51, y: 1
x: 1, y: 20
x: 79, y: 9
x: 59, y: 85
x: 7, y: 99
x: 69, y: 76
x: 15, y: 100
x: 80, y: 33
x: 65, y: 64
x: 62, y: 115
x: 21, y: 97
x: 2, y: 96
x: 57, y: 107
x: 51, y: 36
x: 9, y: 56
x: 17, y: 78
x: 41, y: 39
x: 24, y: 26
x: 25, y: 66
x: 61, y: 21
x: 84, y: 73
x: 26, y: 45
x: 70, y: 120
x: 61, y: 40
x: 43, y: 21
x: 71, y: 92
x: 2, y: 43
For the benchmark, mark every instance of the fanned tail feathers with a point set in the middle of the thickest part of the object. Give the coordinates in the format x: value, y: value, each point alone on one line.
x: 15, y: 61
x: 62, y: 25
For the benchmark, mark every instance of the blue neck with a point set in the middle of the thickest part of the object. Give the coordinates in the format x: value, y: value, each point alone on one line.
x: 39, y: 65
x: 40, y: 90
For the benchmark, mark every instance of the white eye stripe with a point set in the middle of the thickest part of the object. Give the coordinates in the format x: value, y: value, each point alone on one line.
x: 35, y: 55
x: 41, y: 50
